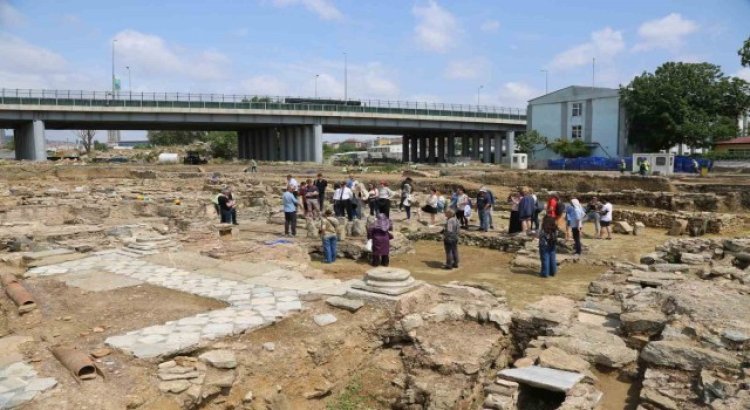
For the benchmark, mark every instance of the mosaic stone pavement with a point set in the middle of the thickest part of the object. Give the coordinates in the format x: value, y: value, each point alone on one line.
x: 19, y: 383
x: 252, y: 305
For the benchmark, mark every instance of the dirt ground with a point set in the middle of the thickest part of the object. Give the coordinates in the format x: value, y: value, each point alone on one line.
x: 69, y: 316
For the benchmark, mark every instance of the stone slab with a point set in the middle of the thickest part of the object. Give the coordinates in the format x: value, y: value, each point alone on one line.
x: 324, y: 319
x: 352, y: 305
x: 389, y: 284
x: 387, y: 274
x: 387, y: 291
x: 32, y: 256
x: 543, y: 377
x: 97, y: 281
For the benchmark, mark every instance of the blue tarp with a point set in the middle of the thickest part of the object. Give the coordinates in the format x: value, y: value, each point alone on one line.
x: 589, y: 164
x: 681, y: 164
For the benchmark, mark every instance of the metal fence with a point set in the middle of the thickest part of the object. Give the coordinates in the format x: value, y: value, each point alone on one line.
x: 229, y: 101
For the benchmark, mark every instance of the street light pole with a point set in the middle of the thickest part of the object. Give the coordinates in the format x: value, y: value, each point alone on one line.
x: 346, y: 78
x: 479, y: 91
x: 130, y: 82
x: 316, y: 85
x: 113, y: 67
x: 546, y: 81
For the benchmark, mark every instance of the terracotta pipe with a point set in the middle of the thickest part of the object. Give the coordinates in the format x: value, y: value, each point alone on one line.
x: 8, y: 278
x: 19, y: 294
x: 79, y: 364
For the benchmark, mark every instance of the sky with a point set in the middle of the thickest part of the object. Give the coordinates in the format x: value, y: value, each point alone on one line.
x: 455, y: 51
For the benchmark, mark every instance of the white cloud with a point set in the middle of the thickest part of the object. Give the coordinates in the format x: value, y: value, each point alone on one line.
x: 667, y: 33
x: 466, y: 69
x: 152, y: 56
x: 516, y: 94
x: 490, y: 26
x: 9, y: 15
x: 604, y: 44
x: 325, y: 9
x: 264, y: 85
x: 437, y: 29
x: 25, y: 65
x: 743, y: 73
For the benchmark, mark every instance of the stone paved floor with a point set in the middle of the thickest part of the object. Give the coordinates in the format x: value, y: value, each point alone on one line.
x: 252, y: 305
x: 19, y: 384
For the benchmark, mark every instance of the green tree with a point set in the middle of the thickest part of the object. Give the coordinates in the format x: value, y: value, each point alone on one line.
x: 683, y: 103
x: 744, y: 53
x: 570, y: 149
x: 100, y: 146
x: 526, y: 142
x: 223, y: 144
x: 176, y: 137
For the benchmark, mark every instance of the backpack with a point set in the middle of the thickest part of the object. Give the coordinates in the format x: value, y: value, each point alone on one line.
x: 560, y: 209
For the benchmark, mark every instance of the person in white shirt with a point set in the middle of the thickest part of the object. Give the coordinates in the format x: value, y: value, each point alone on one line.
x: 606, y: 219
x: 290, y: 181
x: 338, y: 209
x: 384, y: 199
x: 347, y: 195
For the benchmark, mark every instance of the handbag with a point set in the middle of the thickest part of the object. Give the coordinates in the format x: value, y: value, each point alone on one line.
x: 368, y: 245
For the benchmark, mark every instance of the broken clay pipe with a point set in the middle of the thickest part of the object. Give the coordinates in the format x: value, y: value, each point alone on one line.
x: 79, y: 363
x: 8, y: 278
x: 20, y: 296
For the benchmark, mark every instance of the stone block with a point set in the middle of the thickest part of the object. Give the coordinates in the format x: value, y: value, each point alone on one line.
x: 324, y: 319
x: 220, y: 359
x: 622, y: 227
x: 352, y: 305
x: 679, y: 227
x: 542, y: 377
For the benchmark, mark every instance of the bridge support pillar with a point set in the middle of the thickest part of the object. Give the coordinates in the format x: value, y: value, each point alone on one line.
x: 422, y: 148
x: 241, y: 145
x: 487, y: 148
x: 510, y: 146
x: 498, y: 148
x: 431, y: 142
x: 254, y: 145
x: 414, y: 147
x: 451, y: 146
x: 465, y: 148
x: 475, y: 154
x: 441, y: 148
x: 30, y: 141
x: 405, y: 140
x: 317, y: 140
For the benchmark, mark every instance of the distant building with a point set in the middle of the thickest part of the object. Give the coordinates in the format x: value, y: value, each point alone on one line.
x: 740, y: 146
x: 592, y: 114
x: 354, y: 143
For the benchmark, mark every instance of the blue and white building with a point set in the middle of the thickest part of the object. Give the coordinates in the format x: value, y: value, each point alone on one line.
x: 591, y: 114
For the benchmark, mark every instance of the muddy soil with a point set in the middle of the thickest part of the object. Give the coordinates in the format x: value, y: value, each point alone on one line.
x: 73, y: 317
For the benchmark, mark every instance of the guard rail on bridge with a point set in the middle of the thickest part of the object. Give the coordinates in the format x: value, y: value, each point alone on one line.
x: 79, y: 98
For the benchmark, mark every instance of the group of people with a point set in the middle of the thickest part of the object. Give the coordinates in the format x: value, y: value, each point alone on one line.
x: 569, y: 218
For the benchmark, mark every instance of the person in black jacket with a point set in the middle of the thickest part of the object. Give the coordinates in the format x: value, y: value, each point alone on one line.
x: 321, y: 184
x: 228, y: 207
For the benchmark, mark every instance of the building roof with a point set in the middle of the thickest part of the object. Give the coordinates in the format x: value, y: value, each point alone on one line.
x: 574, y: 93
x: 738, y: 140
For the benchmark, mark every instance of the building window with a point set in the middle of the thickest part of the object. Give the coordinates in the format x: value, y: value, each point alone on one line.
x: 576, y: 131
x: 577, y: 109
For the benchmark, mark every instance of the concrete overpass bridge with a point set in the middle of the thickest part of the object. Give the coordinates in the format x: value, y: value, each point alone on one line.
x: 269, y: 128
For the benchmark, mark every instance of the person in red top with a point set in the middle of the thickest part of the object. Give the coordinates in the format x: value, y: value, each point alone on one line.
x: 552, y: 206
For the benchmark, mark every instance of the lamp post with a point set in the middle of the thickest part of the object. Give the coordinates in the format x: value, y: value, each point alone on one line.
x: 316, y: 85
x: 346, y: 78
x: 546, y: 80
x: 479, y: 93
x: 113, y: 67
x: 130, y: 82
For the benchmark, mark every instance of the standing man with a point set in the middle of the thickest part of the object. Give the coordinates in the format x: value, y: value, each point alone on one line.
x: 450, y: 240
x: 321, y: 184
x: 227, y: 207
x: 253, y: 166
x: 346, y: 201
x: 327, y: 230
x: 491, y: 199
x: 290, y: 181
x: 312, y: 199
x: 622, y: 166
x: 290, y: 204
x: 483, y: 209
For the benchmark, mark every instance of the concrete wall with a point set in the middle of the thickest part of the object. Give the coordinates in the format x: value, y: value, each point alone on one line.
x: 604, y: 124
x: 546, y: 119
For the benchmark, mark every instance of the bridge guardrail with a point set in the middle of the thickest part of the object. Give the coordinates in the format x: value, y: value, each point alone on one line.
x: 229, y: 101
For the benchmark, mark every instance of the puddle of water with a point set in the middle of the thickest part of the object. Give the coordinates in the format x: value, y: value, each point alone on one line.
x: 618, y: 394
